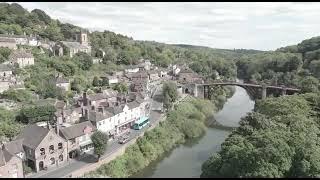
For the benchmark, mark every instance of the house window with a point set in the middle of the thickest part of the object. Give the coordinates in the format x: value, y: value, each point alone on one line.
x: 51, y: 149
x: 42, y: 151
x: 60, y: 146
x: 61, y: 158
x: 52, y: 161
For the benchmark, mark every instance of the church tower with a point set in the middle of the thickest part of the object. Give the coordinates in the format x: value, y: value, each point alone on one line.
x: 83, y: 38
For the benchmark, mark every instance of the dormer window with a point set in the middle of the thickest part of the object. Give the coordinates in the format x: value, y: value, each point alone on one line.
x: 60, y: 146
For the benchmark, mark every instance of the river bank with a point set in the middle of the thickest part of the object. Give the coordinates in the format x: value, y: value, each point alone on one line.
x: 187, y: 121
x: 186, y: 159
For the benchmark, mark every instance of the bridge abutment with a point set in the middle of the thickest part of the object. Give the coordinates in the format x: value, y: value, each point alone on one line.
x: 264, y: 92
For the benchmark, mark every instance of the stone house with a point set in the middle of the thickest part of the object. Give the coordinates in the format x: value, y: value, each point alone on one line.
x: 10, y: 165
x: 153, y: 75
x: 110, y: 79
x: 5, y: 70
x: 145, y: 65
x: 78, y: 138
x: 188, y: 76
x: 71, y: 48
x: 43, y: 147
x: 15, y: 148
x: 63, y: 83
x: 4, y: 84
x: 8, y: 43
x: 22, y: 58
x: 19, y: 39
x: 94, y: 101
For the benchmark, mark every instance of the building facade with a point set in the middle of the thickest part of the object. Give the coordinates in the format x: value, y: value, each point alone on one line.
x: 22, y: 58
x: 43, y: 147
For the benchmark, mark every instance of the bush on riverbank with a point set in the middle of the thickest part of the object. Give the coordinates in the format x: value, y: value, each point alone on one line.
x: 279, y: 139
x: 184, y: 122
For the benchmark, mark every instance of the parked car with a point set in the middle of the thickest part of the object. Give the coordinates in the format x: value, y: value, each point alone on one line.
x: 123, y: 139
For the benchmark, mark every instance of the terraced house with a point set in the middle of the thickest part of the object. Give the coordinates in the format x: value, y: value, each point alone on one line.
x: 78, y: 138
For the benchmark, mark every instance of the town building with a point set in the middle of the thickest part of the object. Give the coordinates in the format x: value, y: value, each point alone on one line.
x: 110, y: 79
x: 8, y: 43
x: 71, y: 48
x: 78, y: 138
x: 117, y: 120
x: 132, y: 69
x: 43, y: 147
x: 63, y: 83
x: 22, y: 58
x: 188, y: 76
x: 10, y: 165
x: 5, y: 70
x: 153, y: 75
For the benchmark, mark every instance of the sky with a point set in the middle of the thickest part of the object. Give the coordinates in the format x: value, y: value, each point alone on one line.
x: 247, y: 25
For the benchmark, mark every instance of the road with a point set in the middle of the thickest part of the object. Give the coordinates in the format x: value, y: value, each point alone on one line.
x: 113, y: 146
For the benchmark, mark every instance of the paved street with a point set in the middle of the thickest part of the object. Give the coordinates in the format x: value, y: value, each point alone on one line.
x: 113, y: 146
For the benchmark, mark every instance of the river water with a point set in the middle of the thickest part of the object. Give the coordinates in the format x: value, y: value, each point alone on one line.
x: 186, y: 160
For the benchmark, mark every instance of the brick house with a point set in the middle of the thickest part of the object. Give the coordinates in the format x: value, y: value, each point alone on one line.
x: 43, y: 147
x: 10, y: 165
x: 22, y: 58
x: 78, y: 138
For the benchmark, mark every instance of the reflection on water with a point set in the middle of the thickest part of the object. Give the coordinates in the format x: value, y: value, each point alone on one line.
x: 186, y: 160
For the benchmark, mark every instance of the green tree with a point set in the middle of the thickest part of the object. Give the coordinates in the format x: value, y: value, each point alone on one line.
x: 96, y: 82
x: 100, y: 141
x: 309, y: 84
x: 83, y: 60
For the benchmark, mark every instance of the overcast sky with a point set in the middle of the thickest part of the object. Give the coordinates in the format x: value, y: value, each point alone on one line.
x: 264, y: 26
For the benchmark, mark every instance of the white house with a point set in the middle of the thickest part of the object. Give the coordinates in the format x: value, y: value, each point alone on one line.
x: 112, y: 80
x: 175, y: 70
x: 22, y: 58
x: 32, y: 41
x: 132, y: 69
x: 116, y: 120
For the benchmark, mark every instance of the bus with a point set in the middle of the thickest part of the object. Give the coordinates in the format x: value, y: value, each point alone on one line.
x: 142, y: 122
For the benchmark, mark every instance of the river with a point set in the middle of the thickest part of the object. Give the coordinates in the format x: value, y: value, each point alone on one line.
x: 185, y: 160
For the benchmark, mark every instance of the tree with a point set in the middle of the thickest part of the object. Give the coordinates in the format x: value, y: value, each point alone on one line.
x: 121, y: 88
x: 99, y: 140
x: 309, y: 84
x: 96, y: 82
x: 170, y: 94
x: 83, y: 60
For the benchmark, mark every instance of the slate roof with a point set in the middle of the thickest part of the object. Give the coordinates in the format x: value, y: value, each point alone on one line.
x: 5, y: 67
x: 98, y: 116
x: 61, y: 80
x: 32, y: 135
x: 14, y: 147
x: 10, y: 40
x: 74, y: 45
x: 5, y: 157
x: 76, y: 130
x: 20, y: 54
x: 133, y: 104
x: 96, y: 96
